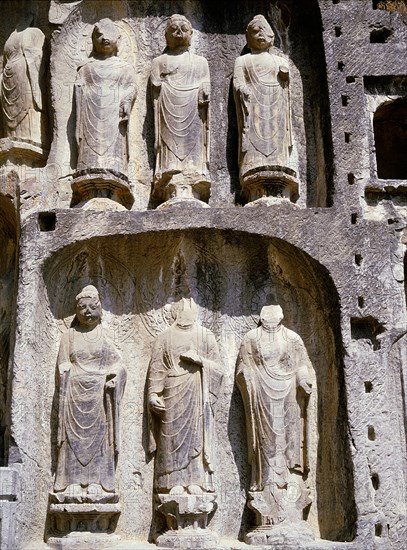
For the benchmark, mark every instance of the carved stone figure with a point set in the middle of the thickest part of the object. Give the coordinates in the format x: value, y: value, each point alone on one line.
x: 262, y: 96
x: 91, y: 386
x: 105, y: 91
x: 276, y: 378
x: 183, y: 384
x: 22, y: 100
x: 181, y: 91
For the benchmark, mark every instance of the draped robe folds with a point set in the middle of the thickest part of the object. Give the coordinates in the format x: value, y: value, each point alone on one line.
x: 264, y: 118
x: 181, y: 125
x: 88, y: 429
x: 102, y: 88
x: 21, y: 96
x: 183, y: 438
x: 270, y: 367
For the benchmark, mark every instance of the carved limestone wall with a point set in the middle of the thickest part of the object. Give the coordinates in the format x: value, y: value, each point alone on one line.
x: 203, y: 257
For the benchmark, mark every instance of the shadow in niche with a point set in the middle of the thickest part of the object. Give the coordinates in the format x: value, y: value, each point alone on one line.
x: 9, y: 231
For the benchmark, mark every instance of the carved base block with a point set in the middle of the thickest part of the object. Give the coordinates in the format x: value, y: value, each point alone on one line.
x: 187, y: 517
x: 188, y: 538
x: 275, y: 182
x: 177, y: 186
x: 83, y: 526
x: 23, y: 150
x: 285, y: 533
x: 99, y: 184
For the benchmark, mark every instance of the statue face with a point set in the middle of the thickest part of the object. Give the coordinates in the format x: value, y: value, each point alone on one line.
x: 271, y: 316
x: 178, y: 34
x: 89, y: 311
x: 259, y: 37
x: 105, y: 39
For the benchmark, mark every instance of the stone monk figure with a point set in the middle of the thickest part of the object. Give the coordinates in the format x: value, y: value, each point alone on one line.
x: 181, y: 91
x: 275, y: 377
x: 261, y: 89
x: 20, y: 83
x: 183, y: 383
x: 91, y: 385
x: 105, y: 91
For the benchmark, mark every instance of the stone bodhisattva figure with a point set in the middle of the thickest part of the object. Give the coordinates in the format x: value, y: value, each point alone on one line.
x: 181, y: 91
x: 261, y: 87
x: 105, y: 91
x: 184, y: 380
x: 91, y: 385
x: 276, y: 379
x: 21, y: 81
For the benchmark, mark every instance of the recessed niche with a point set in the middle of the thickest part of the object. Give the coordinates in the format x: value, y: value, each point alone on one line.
x: 380, y: 35
x: 367, y: 328
x: 47, y: 221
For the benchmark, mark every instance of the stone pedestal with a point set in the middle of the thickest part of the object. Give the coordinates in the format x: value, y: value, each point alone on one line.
x: 83, y: 526
x: 8, y: 496
x: 187, y: 518
x: 91, y: 187
x: 182, y: 190
x: 269, y: 182
x: 23, y: 151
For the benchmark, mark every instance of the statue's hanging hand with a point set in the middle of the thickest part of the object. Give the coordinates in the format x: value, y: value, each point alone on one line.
x: 156, y: 404
x: 193, y: 357
x: 306, y: 386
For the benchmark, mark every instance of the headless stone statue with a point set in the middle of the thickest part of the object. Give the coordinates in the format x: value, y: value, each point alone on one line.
x: 261, y: 87
x: 183, y: 384
x: 105, y: 93
x: 276, y: 378
x: 181, y: 91
x: 91, y: 387
x: 21, y: 96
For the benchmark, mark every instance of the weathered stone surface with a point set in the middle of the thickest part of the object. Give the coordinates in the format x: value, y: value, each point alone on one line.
x: 335, y: 261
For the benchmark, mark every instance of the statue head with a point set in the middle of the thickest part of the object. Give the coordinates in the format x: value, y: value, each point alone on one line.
x: 88, y: 307
x: 105, y: 38
x: 178, y: 32
x: 271, y: 317
x: 259, y: 34
x: 187, y: 312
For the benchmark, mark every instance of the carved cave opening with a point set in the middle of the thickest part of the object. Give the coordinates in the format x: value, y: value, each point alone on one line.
x: 8, y: 250
x: 390, y: 133
x: 231, y: 276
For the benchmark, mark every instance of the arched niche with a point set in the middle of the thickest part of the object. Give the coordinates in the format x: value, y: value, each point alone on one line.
x: 390, y: 134
x: 8, y: 250
x: 231, y: 275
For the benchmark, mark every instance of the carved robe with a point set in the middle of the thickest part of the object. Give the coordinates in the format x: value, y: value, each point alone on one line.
x: 88, y: 429
x: 103, y: 88
x: 264, y: 117
x: 183, y: 438
x: 269, y: 368
x: 21, y: 96
x: 181, y: 124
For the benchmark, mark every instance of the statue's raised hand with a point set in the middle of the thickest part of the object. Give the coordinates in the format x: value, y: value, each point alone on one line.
x: 193, y: 357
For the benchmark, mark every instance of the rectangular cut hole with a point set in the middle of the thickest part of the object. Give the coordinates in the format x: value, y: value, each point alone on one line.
x: 47, y: 221
x: 351, y: 178
x: 368, y: 386
x: 353, y: 218
x: 350, y: 79
x: 347, y: 137
x: 345, y: 100
x: 341, y: 65
x: 338, y: 31
x: 361, y: 301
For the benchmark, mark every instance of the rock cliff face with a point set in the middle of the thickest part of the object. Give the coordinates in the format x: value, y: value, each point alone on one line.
x: 242, y: 155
